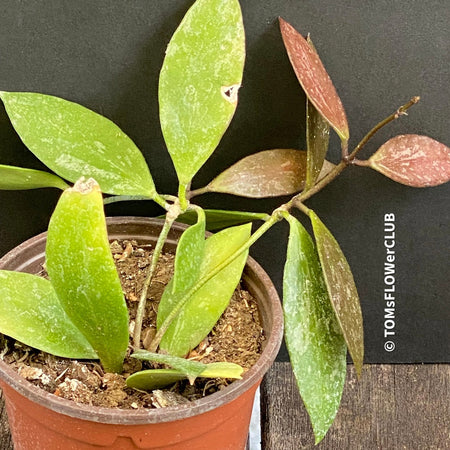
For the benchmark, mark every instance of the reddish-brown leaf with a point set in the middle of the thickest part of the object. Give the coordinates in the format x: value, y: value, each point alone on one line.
x: 314, y: 79
x: 269, y: 173
x: 414, y: 160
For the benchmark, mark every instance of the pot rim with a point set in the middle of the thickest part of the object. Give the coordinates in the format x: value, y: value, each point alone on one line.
x: 144, y: 416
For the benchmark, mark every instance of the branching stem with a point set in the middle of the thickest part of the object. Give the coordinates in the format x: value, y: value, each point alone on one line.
x: 172, y: 214
x: 202, y: 281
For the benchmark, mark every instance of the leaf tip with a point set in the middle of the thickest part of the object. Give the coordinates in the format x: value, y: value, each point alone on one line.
x: 84, y: 186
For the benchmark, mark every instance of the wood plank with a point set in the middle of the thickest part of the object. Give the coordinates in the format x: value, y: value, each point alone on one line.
x: 392, y: 407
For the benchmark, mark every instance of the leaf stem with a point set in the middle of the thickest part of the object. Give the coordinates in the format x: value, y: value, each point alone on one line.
x: 400, y: 112
x: 274, y: 218
x: 199, y: 191
x: 124, y: 198
x: 170, y: 218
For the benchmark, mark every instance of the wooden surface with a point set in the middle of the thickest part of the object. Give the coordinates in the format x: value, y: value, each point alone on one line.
x: 393, y: 407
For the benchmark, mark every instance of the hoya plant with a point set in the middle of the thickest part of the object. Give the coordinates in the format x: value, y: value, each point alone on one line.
x: 80, y: 311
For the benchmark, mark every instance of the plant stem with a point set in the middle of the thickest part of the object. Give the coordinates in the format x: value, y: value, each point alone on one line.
x: 400, y: 112
x: 182, y: 197
x: 274, y: 218
x: 299, y: 198
x: 170, y: 218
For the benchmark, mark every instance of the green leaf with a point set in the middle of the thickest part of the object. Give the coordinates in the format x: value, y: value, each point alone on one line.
x: 314, y: 339
x: 31, y: 313
x: 74, y: 141
x: 317, y: 139
x: 414, y: 160
x: 314, y: 79
x: 17, y: 178
x: 199, y: 81
x: 187, y: 367
x: 341, y: 289
x: 193, y: 369
x: 222, y: 370
x: 269, y: 173
x: 148, y: 380
x: 189, y: 255
x: 217, y: 219
x: 206, y: 305
x: 82, y: 271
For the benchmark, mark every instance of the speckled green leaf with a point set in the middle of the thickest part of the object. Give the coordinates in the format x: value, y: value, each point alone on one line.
x: 147, y: 380
x: 207, y: 304
x: 269, y: 173
x: 31, y: 312
x: 193, y: 369
x: 17, y: 178
x: 217, y: 219
x: 82, y: 271
x: 74, y: 141
x: 199, y: 82
x: 189, y: 255
x: 341, y: 289
x: 317, y: 139
x: 314, y: 339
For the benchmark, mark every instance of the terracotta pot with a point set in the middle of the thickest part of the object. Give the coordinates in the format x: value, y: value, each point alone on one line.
x: 40, y: 420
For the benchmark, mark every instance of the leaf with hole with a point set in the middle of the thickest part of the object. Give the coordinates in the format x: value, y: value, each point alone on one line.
x: 189, y: 255
x: 199, y: 82
x: 217, y: 219
x: 202, y: 310
x: 341, y: 290
x: 81, y: 268
x: 414, y: 160
x: 74, y: 141
x: 314, y: 339
x: 17, y: 178
x: 269, y: 173
x: 314, y: 79
x: 31, y: 312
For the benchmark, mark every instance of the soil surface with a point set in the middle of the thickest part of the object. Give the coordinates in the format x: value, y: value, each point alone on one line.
x: 237, y: 337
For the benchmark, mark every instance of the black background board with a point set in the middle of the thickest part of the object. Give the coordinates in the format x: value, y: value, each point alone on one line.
x: 107, y: 55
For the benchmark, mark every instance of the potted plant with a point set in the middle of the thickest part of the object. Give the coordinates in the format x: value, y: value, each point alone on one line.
x: 198, y: 94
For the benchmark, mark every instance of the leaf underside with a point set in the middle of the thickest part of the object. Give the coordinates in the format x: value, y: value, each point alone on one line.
x: 341, y: 290
x: 200, y: 77
x: 269, y: 173
x: 83, y: 273
x: 74, y: 141
x: 414, y: 160
x: 317, y: 139
x: 314, y: 79
x: 203, y: 310
x: 314, y: 339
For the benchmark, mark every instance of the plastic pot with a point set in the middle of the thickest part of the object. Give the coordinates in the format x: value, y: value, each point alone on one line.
x: 40, y: 420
